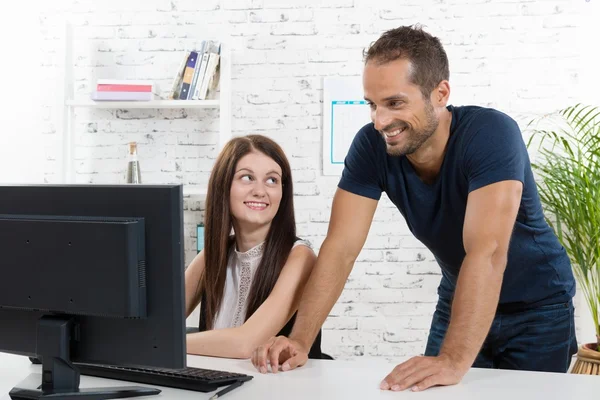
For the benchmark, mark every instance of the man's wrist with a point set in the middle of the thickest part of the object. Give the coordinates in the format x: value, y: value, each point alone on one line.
x: 303, y: 344
x: 457, y: 359
x: 301, y: 340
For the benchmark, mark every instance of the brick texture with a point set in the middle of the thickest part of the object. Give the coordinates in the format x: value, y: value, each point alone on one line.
x: 514, y: 55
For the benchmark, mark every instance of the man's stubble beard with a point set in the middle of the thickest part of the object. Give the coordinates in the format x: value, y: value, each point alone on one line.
x: 416, y: 137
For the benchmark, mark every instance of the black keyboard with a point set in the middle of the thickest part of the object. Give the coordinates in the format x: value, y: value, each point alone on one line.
x: 197, y: 379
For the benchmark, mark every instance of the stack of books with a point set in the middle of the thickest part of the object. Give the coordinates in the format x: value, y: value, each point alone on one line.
x: 123, y: 90
x: 198, y: 72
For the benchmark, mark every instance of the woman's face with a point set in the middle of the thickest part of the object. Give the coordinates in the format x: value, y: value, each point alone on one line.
x: 256, y: 190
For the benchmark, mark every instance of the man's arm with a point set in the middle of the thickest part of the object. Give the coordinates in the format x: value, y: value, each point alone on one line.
x: 351, y: 217
x: 489, y: 220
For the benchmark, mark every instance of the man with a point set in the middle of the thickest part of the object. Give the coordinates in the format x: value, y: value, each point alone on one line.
x: 461, y: 177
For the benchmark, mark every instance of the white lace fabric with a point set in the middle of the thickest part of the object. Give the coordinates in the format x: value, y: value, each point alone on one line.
x: 248, y: 263
x: 241, y: 268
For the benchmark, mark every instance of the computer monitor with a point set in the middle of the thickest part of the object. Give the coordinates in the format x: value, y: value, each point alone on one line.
x: 91, y: 274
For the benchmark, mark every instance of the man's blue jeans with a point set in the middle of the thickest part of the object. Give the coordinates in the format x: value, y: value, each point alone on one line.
x: 538, y: 339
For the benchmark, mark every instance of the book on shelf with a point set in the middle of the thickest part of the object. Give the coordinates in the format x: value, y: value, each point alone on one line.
x: 174, y: 94
x: 198, y: 72
x: 135, y: 82
x: 122, y: 96
x: 188, y: 75
x: 197, y: 76
x: 123, y: 90
x: 210, y: 61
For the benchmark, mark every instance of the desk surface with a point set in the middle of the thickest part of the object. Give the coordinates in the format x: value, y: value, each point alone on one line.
x: 326, y: 379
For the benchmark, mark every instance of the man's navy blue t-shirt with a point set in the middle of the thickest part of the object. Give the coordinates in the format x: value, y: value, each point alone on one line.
x: 485, y: 146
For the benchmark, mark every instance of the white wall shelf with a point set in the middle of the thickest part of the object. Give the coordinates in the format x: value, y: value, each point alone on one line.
x: 145, y: 104
x: 70, y: 103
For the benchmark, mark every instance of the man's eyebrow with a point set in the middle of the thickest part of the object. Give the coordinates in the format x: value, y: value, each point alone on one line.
x: 394, y: 97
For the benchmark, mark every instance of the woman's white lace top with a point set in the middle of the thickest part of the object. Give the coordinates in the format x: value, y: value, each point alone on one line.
x: 241, y: 268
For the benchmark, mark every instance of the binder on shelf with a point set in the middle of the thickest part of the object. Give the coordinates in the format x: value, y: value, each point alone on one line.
x: 196, y: 77
x: 197, y: 70
x: 95, y: 97
x: 213, y: 62
x: 210, y: 60
x: 176, y: 86
x: 188, y: 75
x: 201, y: 73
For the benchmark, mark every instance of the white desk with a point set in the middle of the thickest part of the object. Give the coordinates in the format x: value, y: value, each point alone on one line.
x: 326, y: 379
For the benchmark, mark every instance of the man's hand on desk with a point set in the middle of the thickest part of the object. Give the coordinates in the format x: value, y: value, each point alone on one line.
x: 420, y: 373
x: 278, y: 351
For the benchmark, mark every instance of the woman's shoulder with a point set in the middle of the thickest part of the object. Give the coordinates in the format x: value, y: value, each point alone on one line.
x: 302, y: 242
x: 304, y: 249
x: 302, y: 252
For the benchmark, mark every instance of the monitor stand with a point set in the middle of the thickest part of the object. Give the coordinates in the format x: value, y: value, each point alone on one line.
x: 60, y: 378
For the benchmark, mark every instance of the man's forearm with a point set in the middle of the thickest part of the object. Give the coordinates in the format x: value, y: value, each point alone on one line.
x: 473, y: 308
x: 322, y: 290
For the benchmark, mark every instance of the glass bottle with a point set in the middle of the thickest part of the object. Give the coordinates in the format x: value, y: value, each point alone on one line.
x: 133, y: 166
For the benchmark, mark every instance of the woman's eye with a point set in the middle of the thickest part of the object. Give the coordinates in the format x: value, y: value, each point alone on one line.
x: 272, y: 181
x: 246, y: 178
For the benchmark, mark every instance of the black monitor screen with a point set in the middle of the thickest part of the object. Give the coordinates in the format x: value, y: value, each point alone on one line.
x: 108, y: 256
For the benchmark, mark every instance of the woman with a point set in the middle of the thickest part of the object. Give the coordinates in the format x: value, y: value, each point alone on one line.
x: 248, y: 283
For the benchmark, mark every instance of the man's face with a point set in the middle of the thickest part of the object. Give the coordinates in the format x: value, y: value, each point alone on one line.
x: 398, y: 109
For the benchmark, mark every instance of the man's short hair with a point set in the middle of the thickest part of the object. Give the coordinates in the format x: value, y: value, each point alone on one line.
x: 425, y: 52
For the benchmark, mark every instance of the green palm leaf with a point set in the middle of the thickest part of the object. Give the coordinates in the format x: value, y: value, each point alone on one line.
x: 568, y: 180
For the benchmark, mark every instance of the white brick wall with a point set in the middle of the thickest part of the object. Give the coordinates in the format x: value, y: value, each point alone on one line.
x: 515, y: 55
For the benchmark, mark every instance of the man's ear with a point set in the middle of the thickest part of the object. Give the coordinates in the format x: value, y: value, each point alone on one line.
x: 441, y: 94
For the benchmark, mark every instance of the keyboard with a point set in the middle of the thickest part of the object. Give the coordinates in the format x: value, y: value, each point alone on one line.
x: 197, y: 379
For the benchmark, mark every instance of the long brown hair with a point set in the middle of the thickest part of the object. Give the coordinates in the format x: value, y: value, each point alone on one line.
x: 218, y: 226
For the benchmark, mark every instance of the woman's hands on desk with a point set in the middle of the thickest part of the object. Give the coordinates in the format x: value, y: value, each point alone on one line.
x: 280, y: 350
x: 420, y: 373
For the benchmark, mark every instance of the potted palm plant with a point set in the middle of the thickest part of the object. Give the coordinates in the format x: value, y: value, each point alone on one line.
x: 568, y: 180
